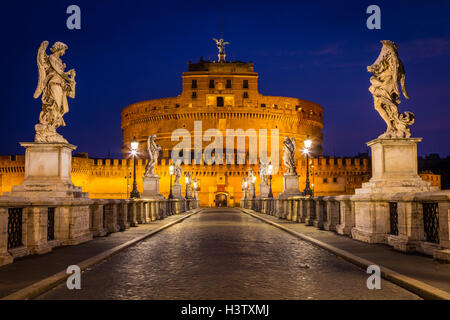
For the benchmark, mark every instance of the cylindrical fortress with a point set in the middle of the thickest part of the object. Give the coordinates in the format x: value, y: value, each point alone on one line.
x: 222, y: 96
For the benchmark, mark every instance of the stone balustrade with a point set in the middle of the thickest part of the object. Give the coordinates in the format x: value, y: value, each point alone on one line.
x: 409, y: 222
x: 36, y: 226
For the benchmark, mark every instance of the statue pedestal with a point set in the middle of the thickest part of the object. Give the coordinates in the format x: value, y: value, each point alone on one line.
x: 394, y: 168
x: 151, y: 188
x: 48, y: 169
x: 177, y: 191
x: 263, y: 190
x: 290, y: 186
x: 394, y: 171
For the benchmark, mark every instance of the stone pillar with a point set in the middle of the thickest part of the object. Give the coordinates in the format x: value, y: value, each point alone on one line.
x: 295, y: 206
x: 5, y: 257
x: 132, y: 219
x: 36, y: 239
x: 122, y: 214
x: 111, y: 217
x: 302, y: 212
x: 332, y: 214
x: 347, y: 216
x: 97, y: 226
x: 310, y: 211
x: 320, y: 212
x: 72, y: 223
x: 371, y: 219
x: 140, y: 212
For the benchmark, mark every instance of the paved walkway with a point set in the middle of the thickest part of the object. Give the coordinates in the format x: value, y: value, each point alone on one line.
x: 222, y: 253
x: 28, y: 270
x: 416, y: 266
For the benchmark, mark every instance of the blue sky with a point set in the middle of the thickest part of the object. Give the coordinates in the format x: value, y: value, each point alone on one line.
x: 128, y: 51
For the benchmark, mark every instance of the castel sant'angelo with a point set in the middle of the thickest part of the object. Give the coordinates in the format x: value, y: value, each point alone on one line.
x: 217, y: 96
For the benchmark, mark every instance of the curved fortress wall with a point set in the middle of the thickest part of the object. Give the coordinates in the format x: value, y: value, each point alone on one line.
x: 222, y: 96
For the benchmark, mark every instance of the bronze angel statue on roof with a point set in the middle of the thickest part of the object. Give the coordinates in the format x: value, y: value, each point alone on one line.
x: 55, y: 85
x: 388, y: 72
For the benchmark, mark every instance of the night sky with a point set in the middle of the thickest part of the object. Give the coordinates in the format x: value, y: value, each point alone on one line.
x: 129, y: 51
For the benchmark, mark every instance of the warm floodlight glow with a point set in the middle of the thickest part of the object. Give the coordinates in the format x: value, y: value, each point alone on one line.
x: 245, y: 184
x: 253, y: 179
x: 306, y: 151
x: 133, y: 152
x: 134, y: 144
x: 270, y: 169
x: 186, y: 179
x: 171, y: 170
x: 195, y: 185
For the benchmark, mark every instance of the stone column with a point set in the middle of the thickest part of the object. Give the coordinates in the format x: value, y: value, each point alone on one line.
x: 111, y: 217
x: 5, y: 257
x: 140, y: 212
x: 96, y: 219
x: 36, y: 240
x: 132, y: 219
x: 332, y: 214
x: 310, y: 211
x: 302, y: 213
x: 320, y: 212
x: 122, y: 214
x: 347, y: 221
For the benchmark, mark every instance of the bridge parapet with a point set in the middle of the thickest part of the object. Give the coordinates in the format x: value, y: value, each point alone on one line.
x: 409, y: 222
x: 37, y: 226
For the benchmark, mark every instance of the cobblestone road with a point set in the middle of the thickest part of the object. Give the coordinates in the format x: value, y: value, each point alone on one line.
x: 225, y: 254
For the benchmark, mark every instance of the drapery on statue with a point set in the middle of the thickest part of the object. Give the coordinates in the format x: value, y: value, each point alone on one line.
x: 55, y: 85
x: 263, y: 170
x: 178, y: 172
x: 387, y: 72
x: 244, y: 184
x: 153, y: 152
x: 288, y: 155
x: 250, y: 175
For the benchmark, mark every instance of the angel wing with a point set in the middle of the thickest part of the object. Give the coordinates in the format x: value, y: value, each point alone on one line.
x: 226, y: 43
x: 217, y: 41
x: 43, y: 64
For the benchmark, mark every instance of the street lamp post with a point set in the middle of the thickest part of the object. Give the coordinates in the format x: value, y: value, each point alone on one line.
x: 307, y: 191
x: 269, y: 172
x: 254, y: 188
x: 186, y: 179
x: 134, y: 148
x: 171, y: 169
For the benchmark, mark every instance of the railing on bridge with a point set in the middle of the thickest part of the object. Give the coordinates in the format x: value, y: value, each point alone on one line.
x: 408, y: 222
x: 70, y: 222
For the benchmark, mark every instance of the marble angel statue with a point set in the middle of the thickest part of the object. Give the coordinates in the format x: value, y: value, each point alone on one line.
x: 263, y: 170
x: 178, y: 171
x: 388, y: 72
x: 289, y: 155
x: 153, y: 152
x: 55, y: 85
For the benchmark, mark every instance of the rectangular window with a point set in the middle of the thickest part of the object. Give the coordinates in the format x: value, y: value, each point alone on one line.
x: 334, y: 180
x: 325, y: 180
x: 211, y: 84
x: 228, y: 84
x: 245, y: 95
x: 245, y: 84
x: 194, y: 84
x: 263, y: 105
x: 220, y: 101
x: 194, y: 94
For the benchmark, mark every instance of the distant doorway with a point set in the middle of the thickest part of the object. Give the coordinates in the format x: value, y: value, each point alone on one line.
x: 221, y: 200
